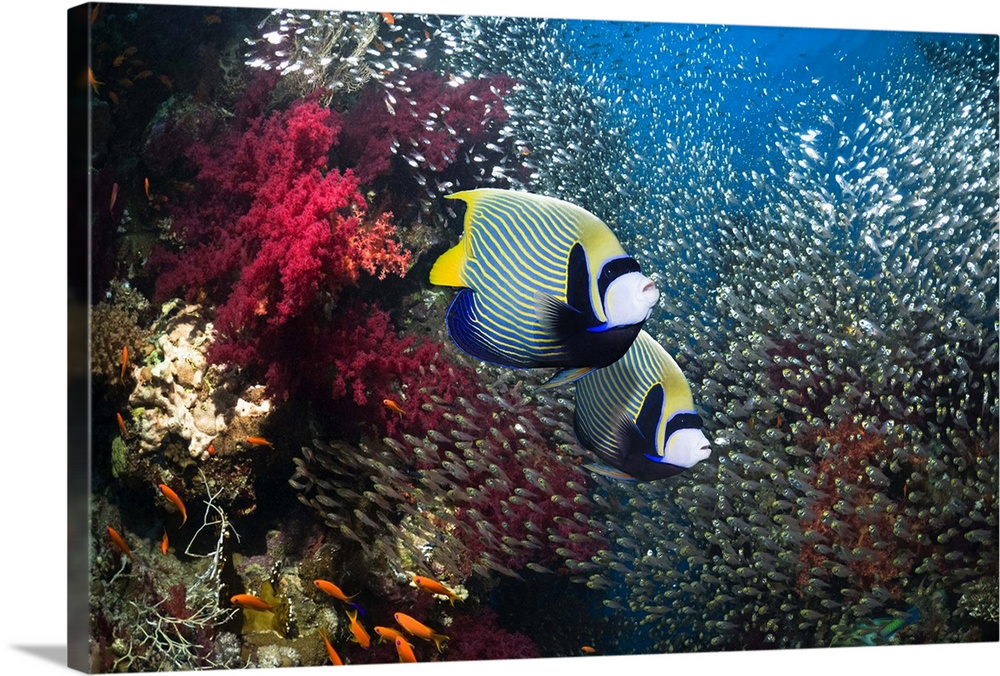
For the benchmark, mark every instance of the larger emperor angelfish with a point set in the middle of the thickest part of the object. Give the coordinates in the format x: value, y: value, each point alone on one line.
x: 544, y: 282
x: 637, y: 415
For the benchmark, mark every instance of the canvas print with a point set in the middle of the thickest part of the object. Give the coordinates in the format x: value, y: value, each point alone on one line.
x: 430, y: 338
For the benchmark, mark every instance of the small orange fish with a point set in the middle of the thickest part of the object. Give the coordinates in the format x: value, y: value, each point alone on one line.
x: 435, y: 587
x: 393, y: 406
x: 121, y: 425
x: 120, y: 543
x: 167, y: 82
x: 334, y: 657
x: 165, y: 542
x: 142, y: 75
x: 92, y: 79
x: 258, y: 441
x: 251, y: 602
x: 389, y: 18
x: 211, y: 449
x: 777, y: 423
x: 125, y: 82
x: 146, y: 185
x: 93, y: 13
x: 388, y: 634
x: 130, y: 50
x: 119, y: 60
x: 212, y: 19
x: 176, y: 500
x: 111, y: 209
x: 124, y: 347
x: 590, y: 650
x: 333, y: 590
x: 405, y: 651
x: 360, y: 635
x: 419, y: 629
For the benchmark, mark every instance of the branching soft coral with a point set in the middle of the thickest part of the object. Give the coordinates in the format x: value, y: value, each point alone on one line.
x: 371, y: 363
x: 272, y: 236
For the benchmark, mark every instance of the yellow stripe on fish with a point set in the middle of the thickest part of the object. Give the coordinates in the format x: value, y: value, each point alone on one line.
x: 544, y: 283
x: 637, y: 415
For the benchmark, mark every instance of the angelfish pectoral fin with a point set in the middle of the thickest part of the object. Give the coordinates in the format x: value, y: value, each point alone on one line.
x: 557, y: 318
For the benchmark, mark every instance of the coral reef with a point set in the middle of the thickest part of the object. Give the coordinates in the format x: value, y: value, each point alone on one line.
x: 326, y: 51
x: 117, y: 324
x: 494, y: 487
x: 431, y: 122
x: 273, y: 236
x: 149, y: 621
x: 829, y: 287
x: 478, y: 636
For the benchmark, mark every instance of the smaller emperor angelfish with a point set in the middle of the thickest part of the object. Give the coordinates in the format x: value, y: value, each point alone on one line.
x: 637, y: 415
x: 544, y: 283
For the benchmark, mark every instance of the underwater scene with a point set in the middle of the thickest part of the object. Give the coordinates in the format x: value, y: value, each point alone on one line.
x: 431, y: 338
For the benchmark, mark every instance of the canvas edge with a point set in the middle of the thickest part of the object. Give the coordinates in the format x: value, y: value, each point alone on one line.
x: 78, y: 344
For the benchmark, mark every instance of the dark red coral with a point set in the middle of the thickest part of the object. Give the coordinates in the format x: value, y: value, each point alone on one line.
x: 272, y: 236
x: 371, y: 363
x: 425, y: 119
x: 478, y: 636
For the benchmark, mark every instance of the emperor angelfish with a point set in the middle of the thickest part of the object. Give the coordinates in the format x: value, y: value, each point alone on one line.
x: 544, y: 282
x: 637, y: 415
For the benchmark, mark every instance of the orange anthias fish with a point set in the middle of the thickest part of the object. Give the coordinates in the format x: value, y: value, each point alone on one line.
x: 435, y: 587
x: 121, y: 425
x: 405, y: 651
x: 334, y: 657
x: 124, y: 347
x: 258, y: 441
x: 114, y: 198
x: 389, y: 18
x: 145, y: 183
x: 590, y: 650
x: 419, y: 629
x: 92, y: 79
x: 176, y: 500
x: 360, y: 635
x: 164, y: 543
x: 250, y: 601
x: 393, y: 406
x: 388, y: 634
x: 120, y: 543
x: 333, y: 590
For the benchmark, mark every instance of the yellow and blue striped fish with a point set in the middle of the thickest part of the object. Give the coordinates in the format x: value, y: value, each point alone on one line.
x: 637, y: 415
x: 544, y: 282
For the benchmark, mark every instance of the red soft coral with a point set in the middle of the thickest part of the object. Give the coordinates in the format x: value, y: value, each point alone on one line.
x: 479, y: 636
x: 371, y: 363
x: 272, y: 236
x: 428, y: 119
